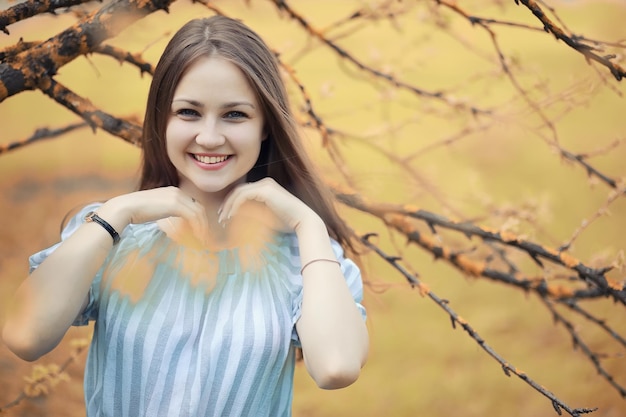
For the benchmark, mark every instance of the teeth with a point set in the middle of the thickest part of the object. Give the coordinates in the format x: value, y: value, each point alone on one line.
x: 210, y: 159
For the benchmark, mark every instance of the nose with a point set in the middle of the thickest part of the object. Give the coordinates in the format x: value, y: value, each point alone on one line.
x: 209, y: 135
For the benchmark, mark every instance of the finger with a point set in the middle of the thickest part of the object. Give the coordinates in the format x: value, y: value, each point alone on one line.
x: 225, y: 211
x: 194, y: 213
x: 202, y: 230
x: 264, y: 202
x: 258, y: 192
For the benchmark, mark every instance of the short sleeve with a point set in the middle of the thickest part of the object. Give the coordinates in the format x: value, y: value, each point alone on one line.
x: 89, y: 313
x: 352, y: 274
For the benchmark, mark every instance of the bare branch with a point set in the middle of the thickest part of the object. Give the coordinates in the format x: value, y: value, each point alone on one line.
x: 591, y: 171
x: 344, y: 54
x: 95, y: 117
x: 25, y: 71
x: 318, y: 123
x: 30, y: 8
x: 573, y: 42
x: 504, y: 65
x: 396, y: 217
x: 456, y: 319
x: 386, y: 10
x: 9, y: 53
x: 403, y: 162
x: 125, y: 56
x: 41, y: 134
x: 586, y: 350
x: 585, y: 223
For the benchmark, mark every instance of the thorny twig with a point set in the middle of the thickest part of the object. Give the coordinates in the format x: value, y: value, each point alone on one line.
x: 572, y: 304
x: 26, y: 9
x: 574, y: 42
x: 343, y: 53
x: 613, y: 195
x: 124, y: 56
x: 397, y: 217
x: 507, y: 367
x: 484, y: 23
x: 504, y: 65
x: 95, y: 117
x: 579, y: 343
x: 41, y: 134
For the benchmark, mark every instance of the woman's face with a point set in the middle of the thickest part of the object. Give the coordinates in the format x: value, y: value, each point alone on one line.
x: 215, y: 128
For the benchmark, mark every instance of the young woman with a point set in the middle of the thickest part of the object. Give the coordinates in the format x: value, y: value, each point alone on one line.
x: 204, y: 282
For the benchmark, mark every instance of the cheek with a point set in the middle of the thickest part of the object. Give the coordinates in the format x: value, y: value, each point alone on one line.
x: 247, y: 136
x: 169, y: 139
x: 174, y: 136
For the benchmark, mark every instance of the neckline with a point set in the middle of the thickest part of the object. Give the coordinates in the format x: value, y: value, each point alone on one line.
x: 185, y: 240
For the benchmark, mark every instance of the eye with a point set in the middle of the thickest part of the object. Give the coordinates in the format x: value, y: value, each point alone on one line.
x: 187, y: 113
x: 235, y: 115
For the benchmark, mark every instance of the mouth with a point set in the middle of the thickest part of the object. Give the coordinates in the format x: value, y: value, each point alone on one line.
x: 210, y: 160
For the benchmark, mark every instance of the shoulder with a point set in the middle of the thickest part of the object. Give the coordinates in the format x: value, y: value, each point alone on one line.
x: 70, y: 224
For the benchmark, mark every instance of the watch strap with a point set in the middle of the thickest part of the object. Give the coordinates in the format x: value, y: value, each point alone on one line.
x: 92, y: 216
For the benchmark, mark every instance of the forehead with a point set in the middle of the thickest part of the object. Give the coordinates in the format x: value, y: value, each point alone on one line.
x: 214, y: 78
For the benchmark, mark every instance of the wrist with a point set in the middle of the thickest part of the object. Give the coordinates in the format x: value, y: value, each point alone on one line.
x: 311, y: 226
x: 93, y: 217
x: 113, y: 213
x: 314, y: 241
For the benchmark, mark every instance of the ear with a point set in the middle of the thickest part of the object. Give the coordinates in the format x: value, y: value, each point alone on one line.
x: 265, y: 134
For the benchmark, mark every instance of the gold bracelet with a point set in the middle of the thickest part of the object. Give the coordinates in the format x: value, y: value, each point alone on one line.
x: 319, y: 260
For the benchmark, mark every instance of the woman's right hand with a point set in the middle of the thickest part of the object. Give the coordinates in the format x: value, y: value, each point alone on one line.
x: 155, y: 204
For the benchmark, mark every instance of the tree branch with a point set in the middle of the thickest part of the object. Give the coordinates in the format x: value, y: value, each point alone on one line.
x: 317, y: 34
x: 125, y: 56
x: 30, y: 8
x: 573, y: 42
x: 503, y: 64
x: 41, y: 134
x: 586, y: 350
x: 96, y: 118
x: 25, y: 71
x: 396, y: 216
x: 456, y: 319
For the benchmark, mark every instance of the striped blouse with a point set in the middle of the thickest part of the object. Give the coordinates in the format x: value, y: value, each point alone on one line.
x: 181, y: 331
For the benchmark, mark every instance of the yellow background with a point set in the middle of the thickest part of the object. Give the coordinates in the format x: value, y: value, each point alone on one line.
x: 418, y: 364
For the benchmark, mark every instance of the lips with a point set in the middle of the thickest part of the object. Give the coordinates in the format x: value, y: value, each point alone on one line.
x: 210, y: 159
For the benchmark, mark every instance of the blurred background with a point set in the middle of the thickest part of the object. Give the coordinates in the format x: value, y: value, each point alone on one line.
x: 499, y: 166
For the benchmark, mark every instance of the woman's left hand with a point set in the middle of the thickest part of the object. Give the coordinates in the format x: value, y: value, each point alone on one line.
x: 287, y: 209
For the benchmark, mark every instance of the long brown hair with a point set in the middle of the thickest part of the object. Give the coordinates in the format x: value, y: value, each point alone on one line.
x: 282, y: 155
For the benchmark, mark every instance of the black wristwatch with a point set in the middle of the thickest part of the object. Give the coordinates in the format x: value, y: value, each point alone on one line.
x: 92, y: 216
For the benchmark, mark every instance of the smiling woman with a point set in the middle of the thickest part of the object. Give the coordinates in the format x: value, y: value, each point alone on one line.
x: 214, y: 126
x: 204, y: 282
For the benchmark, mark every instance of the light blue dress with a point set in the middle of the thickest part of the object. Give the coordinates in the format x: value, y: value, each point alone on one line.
x: 181, y: 331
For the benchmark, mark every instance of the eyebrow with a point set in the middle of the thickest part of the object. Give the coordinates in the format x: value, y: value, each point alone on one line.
x: 228, y: 105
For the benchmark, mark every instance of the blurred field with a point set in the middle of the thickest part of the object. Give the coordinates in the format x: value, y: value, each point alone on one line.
x: 418, y: 364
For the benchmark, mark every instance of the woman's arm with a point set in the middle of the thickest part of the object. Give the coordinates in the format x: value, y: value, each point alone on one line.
x: 47, y: 302
x: 331, y: 329
x: 52, y: 296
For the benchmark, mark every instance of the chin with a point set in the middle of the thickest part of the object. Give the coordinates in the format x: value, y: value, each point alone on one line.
x: 209, y: 187
x: 214, y: 188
